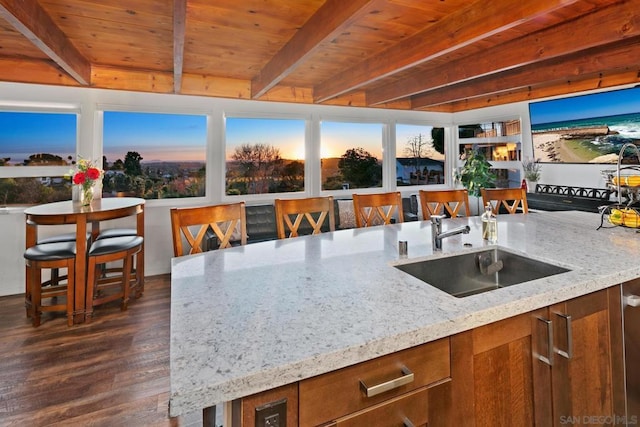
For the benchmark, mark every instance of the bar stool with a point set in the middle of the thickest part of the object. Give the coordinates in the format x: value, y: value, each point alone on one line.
x: 103, y: 287
x: 67, y: 237
x: 117, y: 232
x: 52, y: 256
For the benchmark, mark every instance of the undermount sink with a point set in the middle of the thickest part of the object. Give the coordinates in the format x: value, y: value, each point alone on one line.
x: 476, y: 272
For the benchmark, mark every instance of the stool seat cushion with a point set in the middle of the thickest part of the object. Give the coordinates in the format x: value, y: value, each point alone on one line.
x: 68, y: 237
x: 51, y: 251
x: 117, y: 232
x: 114, y: 244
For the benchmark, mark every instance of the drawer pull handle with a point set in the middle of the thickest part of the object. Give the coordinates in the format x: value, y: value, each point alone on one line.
x: 406, y: 378
x: 569, y: 353
x: 549, y: 358
x: 407, y: 423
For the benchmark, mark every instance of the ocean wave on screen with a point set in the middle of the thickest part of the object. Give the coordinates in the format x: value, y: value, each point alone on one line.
x: 627, y: 130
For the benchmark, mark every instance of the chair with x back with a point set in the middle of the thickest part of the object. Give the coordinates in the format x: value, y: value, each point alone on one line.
x: 511, y: 199
x: 198, y: 225
x: 295, y: 217
x: 440, y: 202
x: 377, y: 209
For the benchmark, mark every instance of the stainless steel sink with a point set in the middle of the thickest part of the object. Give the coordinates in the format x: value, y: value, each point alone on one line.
x: 476, y: 272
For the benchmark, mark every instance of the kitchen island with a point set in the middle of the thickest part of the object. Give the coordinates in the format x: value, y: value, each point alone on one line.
x: 253, y: 318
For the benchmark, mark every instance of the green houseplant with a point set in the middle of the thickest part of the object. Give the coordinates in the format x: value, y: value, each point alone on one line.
x: 476, y: 173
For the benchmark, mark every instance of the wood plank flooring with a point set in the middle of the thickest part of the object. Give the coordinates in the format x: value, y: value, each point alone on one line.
x: 112, y: 372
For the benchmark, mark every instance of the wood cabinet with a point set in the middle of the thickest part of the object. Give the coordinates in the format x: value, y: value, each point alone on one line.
x: 559, y: 365
x: 587, y: 373
x: 391, y: 389
x: 410, y: 387
x: 553, y: 366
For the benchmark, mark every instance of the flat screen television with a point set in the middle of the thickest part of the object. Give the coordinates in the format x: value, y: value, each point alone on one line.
x: 586, y: 128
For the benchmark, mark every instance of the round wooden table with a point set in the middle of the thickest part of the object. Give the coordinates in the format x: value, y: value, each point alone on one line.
x: 72, y: 212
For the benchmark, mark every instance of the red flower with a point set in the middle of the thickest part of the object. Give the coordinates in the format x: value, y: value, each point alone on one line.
x: 79, y: 178
x: 93, y: 173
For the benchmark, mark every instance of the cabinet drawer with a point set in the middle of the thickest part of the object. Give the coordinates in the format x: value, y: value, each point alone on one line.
x: 412, y: 407
x: 339, y: 393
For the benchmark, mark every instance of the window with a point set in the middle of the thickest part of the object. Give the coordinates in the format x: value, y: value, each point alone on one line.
x: 36, y: 150
x: 499, y: 142
x: 37, y: 139
x: 419, y: 155
x: 264, y: 155
x: 154, y: 155
x: 351, y: 155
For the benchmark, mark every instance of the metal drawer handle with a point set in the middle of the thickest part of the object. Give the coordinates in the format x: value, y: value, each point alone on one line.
x: 548, y: 359
x: 406, y: 378
x: 407, y: 422
x: 569, y: 353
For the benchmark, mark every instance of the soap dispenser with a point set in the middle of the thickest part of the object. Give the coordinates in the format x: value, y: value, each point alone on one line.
x: 489, y: 225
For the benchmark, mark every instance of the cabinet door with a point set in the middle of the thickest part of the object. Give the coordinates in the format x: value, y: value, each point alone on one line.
x: 492, y: 374
x: 587, y: 373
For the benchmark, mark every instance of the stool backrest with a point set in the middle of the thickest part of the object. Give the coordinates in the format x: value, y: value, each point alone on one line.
x: 315, y: 210
x: 377, y: 209
x: 444, y: 201
x: 510, y: 198
x: 197, y: 225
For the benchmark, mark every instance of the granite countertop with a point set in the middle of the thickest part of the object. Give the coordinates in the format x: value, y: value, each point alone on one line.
x: 256, y: 317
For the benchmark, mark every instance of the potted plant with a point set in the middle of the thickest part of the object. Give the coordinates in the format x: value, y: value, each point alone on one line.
x: 531, y: 169
x: 475, y: 174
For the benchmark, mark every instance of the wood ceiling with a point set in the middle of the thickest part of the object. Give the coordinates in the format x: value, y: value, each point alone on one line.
x: 433, y: 55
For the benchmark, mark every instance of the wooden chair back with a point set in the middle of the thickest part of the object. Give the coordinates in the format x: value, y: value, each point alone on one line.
x: 316, y: 211
x: 509, y: 198
x: 444, y: 201
x: 193, y: 224
x: 377, y: 209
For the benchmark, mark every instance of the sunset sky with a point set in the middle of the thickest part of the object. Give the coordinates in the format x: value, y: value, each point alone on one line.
x: 174, y: 137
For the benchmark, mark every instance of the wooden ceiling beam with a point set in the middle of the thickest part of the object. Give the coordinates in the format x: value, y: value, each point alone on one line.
x: 179, y: 22
x: 31, y: 20
x: 455, y: 31
x: 582, y: 64
x: 328, y: 21
x: 599, y: 81
x: 604, y: 26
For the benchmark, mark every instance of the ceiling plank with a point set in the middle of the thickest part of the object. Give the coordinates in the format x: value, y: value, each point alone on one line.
x: 31, y: 20
x: 131, y: 79
x: 179, y: 22
x: 36, y: 71
x: 601, y: 27
x: 328, y: 21
x: 455, y: 31
x: 599, y: 81
x: 209, y: 85
x: 581, y: 64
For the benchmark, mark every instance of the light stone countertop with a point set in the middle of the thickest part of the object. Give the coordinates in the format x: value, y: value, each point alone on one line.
x: 256, y: 317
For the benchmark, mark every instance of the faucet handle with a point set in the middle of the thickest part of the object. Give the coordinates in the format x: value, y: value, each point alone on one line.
x: 437, y: 219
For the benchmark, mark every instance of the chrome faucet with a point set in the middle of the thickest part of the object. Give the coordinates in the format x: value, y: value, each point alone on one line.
x: 436, y: 231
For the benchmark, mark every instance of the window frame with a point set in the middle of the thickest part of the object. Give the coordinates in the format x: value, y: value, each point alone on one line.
x: 447, y: 164
x: 264, y: 197
x: 100, y: 109
x: 41, y: 171
x: 388, y: 145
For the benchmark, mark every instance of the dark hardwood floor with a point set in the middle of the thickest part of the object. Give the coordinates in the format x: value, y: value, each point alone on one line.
x: 112, y: 372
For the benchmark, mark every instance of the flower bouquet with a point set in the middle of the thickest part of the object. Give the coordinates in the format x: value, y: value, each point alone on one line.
x: 86, y: 175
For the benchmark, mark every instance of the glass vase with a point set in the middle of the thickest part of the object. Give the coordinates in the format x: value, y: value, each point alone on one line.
x: 86, y: 196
